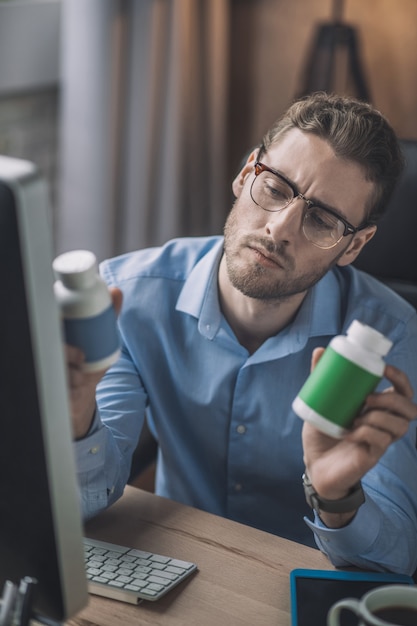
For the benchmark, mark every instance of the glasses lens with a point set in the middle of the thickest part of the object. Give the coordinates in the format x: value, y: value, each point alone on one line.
x: 271, y: 192
x: 322, y: 228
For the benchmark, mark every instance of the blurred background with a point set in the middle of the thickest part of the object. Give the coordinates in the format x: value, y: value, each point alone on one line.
x: 138, y: 112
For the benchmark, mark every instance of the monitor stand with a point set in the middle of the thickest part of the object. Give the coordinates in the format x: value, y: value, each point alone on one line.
x: 16, y: 605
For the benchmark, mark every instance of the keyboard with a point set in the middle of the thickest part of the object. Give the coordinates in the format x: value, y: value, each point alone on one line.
x: 131, y: 575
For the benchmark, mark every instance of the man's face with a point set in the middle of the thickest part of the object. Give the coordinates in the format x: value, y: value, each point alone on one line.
x: 267, y: 255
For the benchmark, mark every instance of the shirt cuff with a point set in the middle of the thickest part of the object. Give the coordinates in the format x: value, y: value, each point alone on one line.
x: 357, y: 537
x: 90, y: 451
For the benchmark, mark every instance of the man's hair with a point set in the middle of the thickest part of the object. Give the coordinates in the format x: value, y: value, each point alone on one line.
x: 356, y: 131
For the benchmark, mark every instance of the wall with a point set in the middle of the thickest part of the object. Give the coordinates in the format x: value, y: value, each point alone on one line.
x: 29, y: 130
x: 271, y: 40
x: 29, y: 74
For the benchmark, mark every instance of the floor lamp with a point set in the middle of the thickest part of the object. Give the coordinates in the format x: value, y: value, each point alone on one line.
x: 334, y: 62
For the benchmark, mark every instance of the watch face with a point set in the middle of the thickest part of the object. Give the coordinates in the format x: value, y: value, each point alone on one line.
x: 310, y: 494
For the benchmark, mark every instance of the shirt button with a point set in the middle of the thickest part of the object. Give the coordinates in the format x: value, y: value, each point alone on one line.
x: 238, y: 487
x: 94, y: 449
x: 241, y: 429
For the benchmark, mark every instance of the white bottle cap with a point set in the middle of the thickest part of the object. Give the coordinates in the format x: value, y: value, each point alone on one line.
x: 76, y: 269
x: 369, y: 338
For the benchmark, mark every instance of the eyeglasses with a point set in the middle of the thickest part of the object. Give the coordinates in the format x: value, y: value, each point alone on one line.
x: 322, y: 226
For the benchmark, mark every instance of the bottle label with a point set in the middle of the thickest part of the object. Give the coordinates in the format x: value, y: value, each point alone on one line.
x: 96, y: 336
x: 337, y: 388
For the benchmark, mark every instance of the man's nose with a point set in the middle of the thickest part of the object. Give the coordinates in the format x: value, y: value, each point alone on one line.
x: 285, y: 224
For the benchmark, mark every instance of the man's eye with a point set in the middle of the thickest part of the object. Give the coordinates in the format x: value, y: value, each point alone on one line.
x: 322, y: 220
x: 277, y: 191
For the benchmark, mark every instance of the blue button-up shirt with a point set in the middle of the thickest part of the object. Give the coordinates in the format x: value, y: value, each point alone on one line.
x: 229, y: 442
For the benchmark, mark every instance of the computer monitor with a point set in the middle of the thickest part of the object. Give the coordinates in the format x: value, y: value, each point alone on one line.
x: 40, y: 519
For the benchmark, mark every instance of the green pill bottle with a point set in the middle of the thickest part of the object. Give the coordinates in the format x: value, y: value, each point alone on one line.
x: 349, y: 369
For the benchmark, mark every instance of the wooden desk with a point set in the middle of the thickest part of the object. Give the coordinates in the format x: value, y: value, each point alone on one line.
x: 243, y: 575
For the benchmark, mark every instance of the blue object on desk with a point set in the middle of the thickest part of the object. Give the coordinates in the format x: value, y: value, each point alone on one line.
x: 313, y: 592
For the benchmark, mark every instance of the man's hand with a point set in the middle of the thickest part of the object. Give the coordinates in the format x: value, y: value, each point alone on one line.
x: 82, y: 385
x: 335, y: 465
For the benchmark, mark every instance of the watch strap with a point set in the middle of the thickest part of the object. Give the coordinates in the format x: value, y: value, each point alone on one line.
x: 349, y: 503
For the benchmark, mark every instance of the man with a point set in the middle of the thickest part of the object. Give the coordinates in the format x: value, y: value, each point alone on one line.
x: 217, y: 338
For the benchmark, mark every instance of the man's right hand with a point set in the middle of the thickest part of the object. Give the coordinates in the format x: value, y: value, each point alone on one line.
x: 82, y: 385
x: 336, y: 465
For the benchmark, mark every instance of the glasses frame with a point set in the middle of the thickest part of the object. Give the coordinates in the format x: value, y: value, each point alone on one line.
x: 349, y: 229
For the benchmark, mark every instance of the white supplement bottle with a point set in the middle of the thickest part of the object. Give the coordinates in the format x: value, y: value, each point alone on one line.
x: 88, y: 315
x: 349, y: 369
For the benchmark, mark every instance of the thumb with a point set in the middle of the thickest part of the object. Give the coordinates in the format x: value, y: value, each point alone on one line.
x: 117, y: 298
x: 315, y: 357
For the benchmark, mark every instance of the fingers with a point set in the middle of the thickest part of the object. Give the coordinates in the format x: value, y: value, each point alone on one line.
x: 77, y: 376
x: 390, y: 402
x: 316, y: 356
x: 75, y: 359
x: 82, y: 385
x: 399, y: 380
x: 386, y: 416
x: 82, y: 390
x: 74, y: 356
x: 117, y: 298
x: 378, y: 431
x: 397, y: 401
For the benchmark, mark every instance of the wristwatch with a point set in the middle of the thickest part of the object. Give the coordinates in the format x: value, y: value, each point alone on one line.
x: 349, y: 503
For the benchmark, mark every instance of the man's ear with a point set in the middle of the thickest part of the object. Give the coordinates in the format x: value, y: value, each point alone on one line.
x: 358, y: 242
x: 240, y: 179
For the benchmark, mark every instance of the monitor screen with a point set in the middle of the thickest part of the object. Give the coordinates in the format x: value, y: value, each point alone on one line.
x: 40, y: 519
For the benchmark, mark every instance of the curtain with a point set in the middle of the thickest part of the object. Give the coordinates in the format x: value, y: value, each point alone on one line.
x: 143, y: 122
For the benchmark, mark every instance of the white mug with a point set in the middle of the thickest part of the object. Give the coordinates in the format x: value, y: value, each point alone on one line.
x: 383, y: 606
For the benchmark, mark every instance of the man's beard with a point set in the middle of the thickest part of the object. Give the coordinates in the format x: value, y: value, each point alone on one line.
x: 254, y: 280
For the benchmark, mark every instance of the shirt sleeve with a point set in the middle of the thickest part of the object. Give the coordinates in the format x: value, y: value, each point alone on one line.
x: 383, y: 534
x: 104, y: 456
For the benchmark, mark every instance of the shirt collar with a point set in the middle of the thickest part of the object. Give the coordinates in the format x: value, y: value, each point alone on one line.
x: 199, y: 295
x: 319, y: 315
